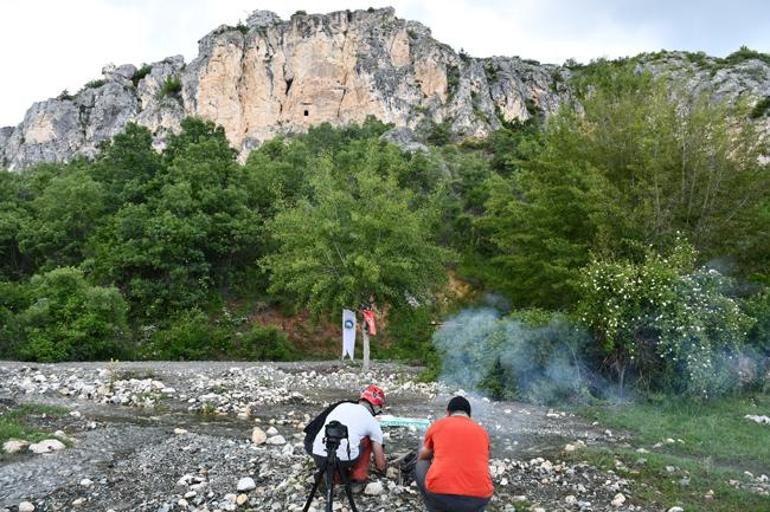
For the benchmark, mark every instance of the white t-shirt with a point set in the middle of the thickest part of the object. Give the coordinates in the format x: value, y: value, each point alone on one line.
x: 360, y: 423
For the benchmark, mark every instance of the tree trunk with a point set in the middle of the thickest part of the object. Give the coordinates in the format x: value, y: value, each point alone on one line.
x: 365, y: 333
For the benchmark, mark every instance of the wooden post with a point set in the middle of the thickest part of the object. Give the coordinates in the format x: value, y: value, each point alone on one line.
x: 365, y: 333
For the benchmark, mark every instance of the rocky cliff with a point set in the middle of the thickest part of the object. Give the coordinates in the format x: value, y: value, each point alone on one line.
x: 271, y: 76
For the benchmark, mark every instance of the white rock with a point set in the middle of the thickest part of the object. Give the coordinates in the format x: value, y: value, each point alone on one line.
x: 675, y: 509
x: 258, y: 436
x: 374, y: 489
x: 180, y: 431
x: 272, y: 431
x: 15, y: 445
x: 246, y: 484
x: 26, y: 506
x: 86, y: 482
x: 618, y: 500
x: 184, y: 481
x: 276, y: 440
x: 758, y: 419
x: 242, y: 499
x: 78, y: 502
x: 570, y: 500
x: 46, y: 446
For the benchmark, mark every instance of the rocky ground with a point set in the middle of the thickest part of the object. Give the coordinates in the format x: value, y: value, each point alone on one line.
x: 167, y: 437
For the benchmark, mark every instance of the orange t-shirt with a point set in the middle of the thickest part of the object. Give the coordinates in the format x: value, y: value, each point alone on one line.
x: 460, y: 458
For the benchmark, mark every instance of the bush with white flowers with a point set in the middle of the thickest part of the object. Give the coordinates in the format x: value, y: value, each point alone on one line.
x: 665, y: 323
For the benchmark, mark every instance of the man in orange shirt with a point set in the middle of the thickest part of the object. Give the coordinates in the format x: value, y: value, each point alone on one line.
x: 452, y: 470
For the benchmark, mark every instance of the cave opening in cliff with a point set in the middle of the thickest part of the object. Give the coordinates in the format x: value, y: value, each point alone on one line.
x: 289, y: 81
x: 307, y: 113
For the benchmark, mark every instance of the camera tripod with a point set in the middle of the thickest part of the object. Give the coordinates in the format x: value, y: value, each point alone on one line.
x: 326, y: 472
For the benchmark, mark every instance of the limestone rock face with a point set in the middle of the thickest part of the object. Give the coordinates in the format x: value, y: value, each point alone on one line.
x: 272, y: 76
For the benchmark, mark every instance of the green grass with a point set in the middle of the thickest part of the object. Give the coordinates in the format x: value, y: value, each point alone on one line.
x: 718, y: 445
x: 715, y: 429
x: 15, y: 423
x: 658, y: 489
x: 761, y: 108
x: 171, y: 87
x: 141, y: 73
x: 95, y: 84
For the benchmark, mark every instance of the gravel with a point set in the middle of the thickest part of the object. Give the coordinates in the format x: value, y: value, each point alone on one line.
x: 136, y: 447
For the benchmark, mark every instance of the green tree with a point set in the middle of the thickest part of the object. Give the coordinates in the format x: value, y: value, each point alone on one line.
x: 196, y: 229
x: 634, y: 166
x: 61, y: 218
x: 127, y: 165
x: 13, y: 215
x: 13, y: 299
x: 68, y: 319
x: 359, y: 236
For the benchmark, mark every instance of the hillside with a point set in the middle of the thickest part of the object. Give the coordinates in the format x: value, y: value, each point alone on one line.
x: 270, y: 76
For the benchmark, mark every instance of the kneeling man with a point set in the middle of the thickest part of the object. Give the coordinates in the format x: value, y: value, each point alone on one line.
x: 364, y: 435
x: 453, y: 467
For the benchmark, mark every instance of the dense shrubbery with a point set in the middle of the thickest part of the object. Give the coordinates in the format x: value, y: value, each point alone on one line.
x: 192, y: 335
x: 633, y: 170
x: 183, y: 232
x: 62, y: 317
x: 587, y: 222
x: 673, y: 326
x: 585, y: 217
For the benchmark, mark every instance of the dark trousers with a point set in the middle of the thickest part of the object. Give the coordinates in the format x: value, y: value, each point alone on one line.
x: 445, y: 502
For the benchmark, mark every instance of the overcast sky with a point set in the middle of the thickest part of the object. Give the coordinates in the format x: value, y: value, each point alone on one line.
x: 51, y: 45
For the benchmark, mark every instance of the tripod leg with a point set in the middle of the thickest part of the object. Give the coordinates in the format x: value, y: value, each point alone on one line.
x: 348, y: 490
x: 330, y: 486
x: 318, y: 476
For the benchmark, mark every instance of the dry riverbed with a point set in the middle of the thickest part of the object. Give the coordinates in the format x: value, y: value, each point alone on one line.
x: 165, y: 437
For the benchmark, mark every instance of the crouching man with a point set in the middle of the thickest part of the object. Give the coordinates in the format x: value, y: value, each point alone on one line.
x: 364, y: 435
x: 452, y: 470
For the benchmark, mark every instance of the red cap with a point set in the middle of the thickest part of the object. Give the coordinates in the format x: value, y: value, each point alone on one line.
x: 374, y: 395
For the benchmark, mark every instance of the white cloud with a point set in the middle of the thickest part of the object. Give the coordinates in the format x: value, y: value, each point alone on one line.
x: 51, y: 45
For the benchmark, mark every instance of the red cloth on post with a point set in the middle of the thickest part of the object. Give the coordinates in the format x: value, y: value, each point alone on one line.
x: 369, y: 319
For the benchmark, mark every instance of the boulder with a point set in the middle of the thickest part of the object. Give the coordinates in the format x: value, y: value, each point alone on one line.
x: 15, y: 445
x: 46, y: 446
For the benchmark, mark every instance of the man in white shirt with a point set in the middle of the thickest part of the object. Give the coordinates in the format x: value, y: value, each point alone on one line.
x: 364, y: 435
